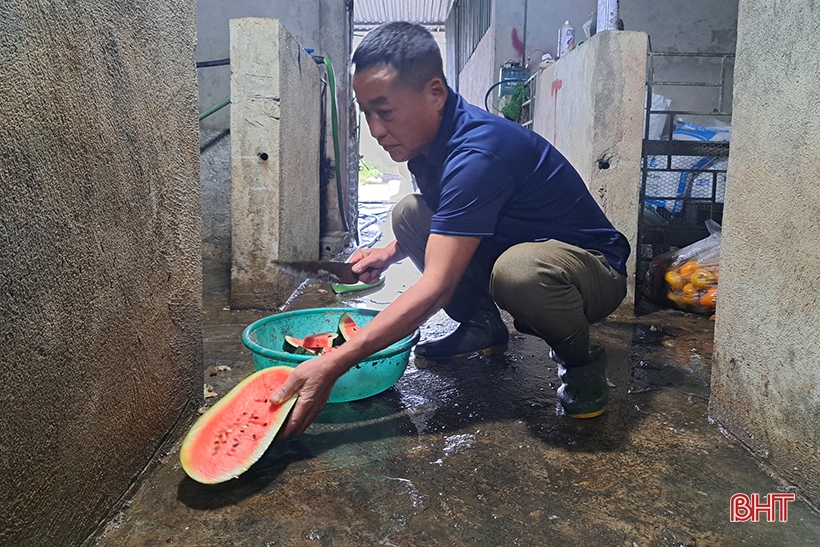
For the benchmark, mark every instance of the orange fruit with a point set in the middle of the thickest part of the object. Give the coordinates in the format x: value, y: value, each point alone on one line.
x: 690, y: 295
x: 707, y: 300
x: 703, y: 279
x: 689, y: 267
x: 675, y: 280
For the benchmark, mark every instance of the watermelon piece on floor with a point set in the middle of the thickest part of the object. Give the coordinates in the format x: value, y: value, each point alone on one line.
x: 234, y: 433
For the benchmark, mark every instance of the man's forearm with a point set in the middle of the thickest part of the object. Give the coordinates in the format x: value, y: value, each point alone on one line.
x: 397, y: 253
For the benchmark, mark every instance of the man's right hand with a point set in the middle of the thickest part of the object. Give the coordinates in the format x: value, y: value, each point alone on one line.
x: 312, y: 380
x: 370, y: 263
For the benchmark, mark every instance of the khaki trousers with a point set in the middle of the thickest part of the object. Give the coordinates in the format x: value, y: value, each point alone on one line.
x: 551, y: 289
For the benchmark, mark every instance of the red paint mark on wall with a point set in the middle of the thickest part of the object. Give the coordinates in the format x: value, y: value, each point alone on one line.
x: 517, y: 44
x: 556, y: 87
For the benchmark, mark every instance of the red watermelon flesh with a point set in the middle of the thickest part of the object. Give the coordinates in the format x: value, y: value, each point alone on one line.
x: 347, y: 326
x: 234, y: 433
x: 319, y: 341
x: 297, y: 346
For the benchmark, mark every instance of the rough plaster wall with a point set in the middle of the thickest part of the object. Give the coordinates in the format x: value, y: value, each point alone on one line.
x: 765, y: 375
x: 589, y: 105
x: 101, y: 359
x: 616, y: 156
x: 478, y: 74
x: 274, y: 161
x: 215, y: 183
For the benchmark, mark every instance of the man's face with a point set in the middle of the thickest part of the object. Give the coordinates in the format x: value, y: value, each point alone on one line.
x: 402, y: 120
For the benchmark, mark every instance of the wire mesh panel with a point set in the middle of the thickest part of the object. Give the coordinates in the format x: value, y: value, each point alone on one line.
x: 685, y: 156
x: 526, y: 106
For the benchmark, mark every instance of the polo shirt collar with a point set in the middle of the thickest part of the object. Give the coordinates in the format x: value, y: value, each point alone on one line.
x: 438, y: 146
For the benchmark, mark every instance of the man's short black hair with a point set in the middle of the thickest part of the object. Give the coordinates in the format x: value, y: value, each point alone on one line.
x: 408, y: 48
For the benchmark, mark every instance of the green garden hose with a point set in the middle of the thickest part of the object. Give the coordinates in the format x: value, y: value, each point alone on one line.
x: 334, y: 119
x: 224, y: 102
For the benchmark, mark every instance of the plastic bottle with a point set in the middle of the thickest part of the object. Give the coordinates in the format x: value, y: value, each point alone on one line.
x: 566, y: 39
x: 608, y: 15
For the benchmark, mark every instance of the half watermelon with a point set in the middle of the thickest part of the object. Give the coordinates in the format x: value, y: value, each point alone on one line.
x: 234, y: 433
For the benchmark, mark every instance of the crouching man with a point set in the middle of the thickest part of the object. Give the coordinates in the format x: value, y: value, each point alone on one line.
x: 502, y: 220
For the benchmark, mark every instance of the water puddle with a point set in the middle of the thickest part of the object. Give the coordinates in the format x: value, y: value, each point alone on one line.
x: 455, y: 444
x: 649, y: 335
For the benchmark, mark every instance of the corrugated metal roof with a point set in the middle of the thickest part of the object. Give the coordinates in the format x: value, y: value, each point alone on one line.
x: 375, y: 12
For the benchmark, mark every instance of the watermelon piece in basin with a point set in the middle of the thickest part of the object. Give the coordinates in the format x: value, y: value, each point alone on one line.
x: 297, y: 346
x: 320, y: 341
x: 234, y: 433
x: 348, y: 327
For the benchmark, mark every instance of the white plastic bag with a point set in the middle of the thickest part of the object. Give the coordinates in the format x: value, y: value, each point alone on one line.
x: 658, y: 121
x: 688, y: 277
x: 713, y: 131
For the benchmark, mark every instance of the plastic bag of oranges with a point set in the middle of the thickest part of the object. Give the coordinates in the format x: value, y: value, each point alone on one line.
x: 690, y: 275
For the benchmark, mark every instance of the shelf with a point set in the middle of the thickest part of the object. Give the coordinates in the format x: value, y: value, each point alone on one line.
x: 685, y: 148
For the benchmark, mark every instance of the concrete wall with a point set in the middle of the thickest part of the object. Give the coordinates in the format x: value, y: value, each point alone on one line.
x: 589, y: 105
x: 478, y: 75
x: 275, y: 135
x: 672, y: 25
x: 765, y: 374
x: 323, y: 26
x: 702, y: 26
x: 101, y: 361
x: 532, y: 28
x: 545, y: 18
x: 320, y: 25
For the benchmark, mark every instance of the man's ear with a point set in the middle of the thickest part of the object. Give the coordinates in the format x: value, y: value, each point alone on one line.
x: 438, y: 93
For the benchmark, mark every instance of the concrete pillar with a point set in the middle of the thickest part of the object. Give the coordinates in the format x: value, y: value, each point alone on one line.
x: 100, y: 270
x: 590, y: 106
x: 275, y: 132
x: 766, y: 366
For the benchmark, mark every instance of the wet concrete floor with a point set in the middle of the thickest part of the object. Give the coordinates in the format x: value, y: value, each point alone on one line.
x: 475, y: 452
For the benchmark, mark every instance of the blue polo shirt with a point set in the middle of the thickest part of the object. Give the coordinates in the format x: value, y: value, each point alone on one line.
x: 485, y: 176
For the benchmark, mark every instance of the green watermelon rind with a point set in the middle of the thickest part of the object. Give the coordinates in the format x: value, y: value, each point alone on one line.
x: 210, y: 415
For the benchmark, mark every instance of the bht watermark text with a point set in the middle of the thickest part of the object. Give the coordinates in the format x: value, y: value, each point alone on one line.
x: 743, y: 508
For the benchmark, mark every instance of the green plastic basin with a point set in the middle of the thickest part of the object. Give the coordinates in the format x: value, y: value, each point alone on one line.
x: 266, y: 338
